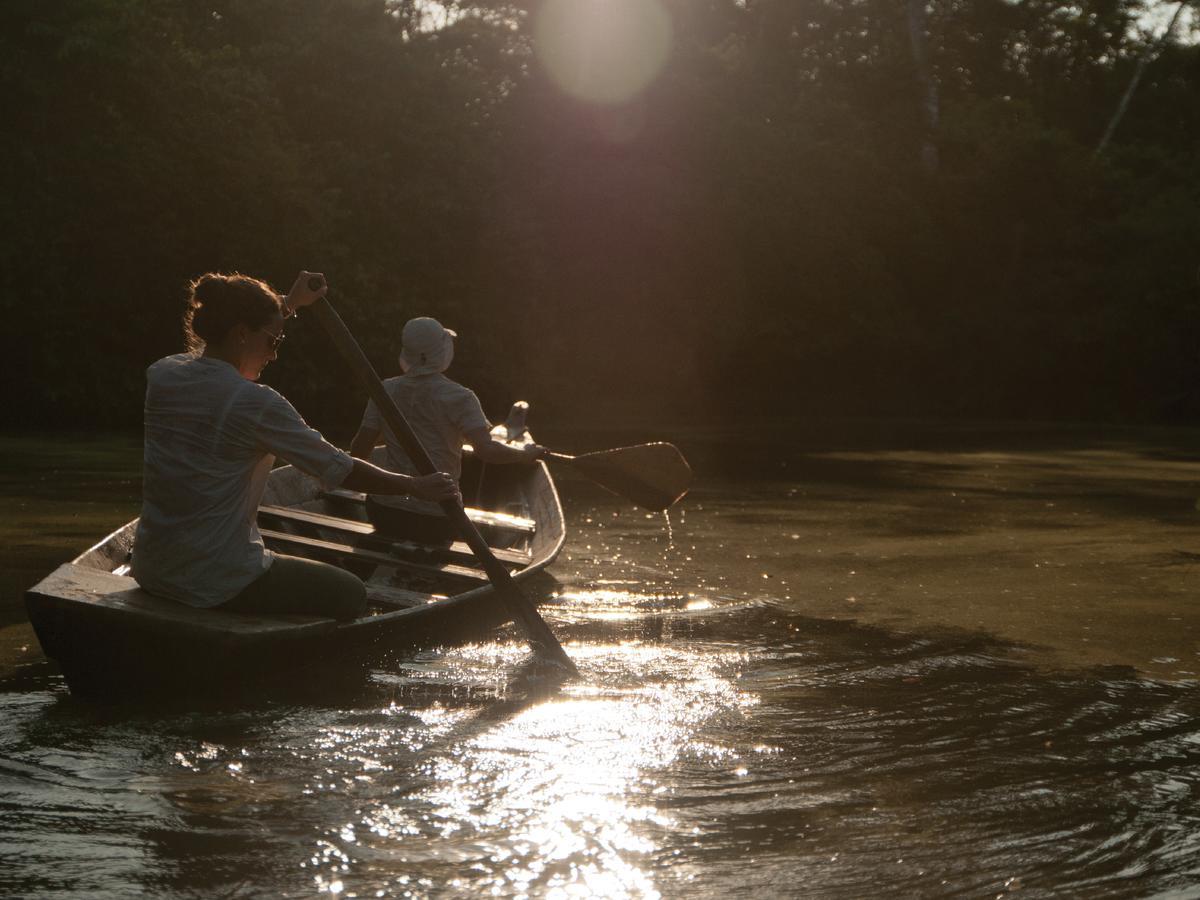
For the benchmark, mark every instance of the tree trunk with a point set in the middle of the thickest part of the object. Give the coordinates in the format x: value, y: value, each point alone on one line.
x: 927, y: 89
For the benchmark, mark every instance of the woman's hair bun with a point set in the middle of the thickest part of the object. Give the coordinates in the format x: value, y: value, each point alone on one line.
x: 217, y: 302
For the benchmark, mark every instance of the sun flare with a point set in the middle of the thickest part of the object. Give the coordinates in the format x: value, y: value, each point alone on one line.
x: 603, y: 51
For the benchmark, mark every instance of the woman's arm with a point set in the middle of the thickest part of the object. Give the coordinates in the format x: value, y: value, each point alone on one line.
x: 364, y: 442
x: 370, y: 479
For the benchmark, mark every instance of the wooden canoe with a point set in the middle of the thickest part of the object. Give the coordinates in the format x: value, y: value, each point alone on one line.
x: 111, y: 638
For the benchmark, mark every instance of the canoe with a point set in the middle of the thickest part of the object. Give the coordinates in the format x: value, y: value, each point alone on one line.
x: 111, y: 638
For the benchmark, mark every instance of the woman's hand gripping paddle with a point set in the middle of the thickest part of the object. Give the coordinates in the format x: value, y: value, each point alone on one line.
x: 537, y: 632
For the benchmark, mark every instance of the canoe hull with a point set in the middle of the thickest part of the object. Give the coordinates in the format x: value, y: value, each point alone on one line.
x: 103, y: 653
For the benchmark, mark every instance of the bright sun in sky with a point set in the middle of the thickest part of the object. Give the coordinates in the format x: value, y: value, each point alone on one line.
x: 602, y: 51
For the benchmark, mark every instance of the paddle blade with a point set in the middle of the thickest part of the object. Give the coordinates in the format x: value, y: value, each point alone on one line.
x: 653, y: 476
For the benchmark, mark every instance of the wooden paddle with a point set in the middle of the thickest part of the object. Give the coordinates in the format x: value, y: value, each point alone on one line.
x: 652, y: 476
x: 537, y: 632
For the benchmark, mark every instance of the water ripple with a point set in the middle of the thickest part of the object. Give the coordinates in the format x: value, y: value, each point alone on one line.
x: 715, y: 746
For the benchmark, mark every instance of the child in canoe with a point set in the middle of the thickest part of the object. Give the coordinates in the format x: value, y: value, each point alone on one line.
x: 444, y: 415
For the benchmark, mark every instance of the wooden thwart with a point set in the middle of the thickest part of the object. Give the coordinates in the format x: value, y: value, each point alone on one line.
x: 457, y: 552
x: 485, y: 518
x: 333, y: 523
x: 306, y: 546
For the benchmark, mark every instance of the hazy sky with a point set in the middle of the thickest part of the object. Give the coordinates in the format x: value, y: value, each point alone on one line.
x: 1156, y: 17
x: 1160, y: 14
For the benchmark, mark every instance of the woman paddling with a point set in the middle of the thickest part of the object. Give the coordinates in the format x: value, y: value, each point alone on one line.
x: 211, y: 437
x: 443, y: 415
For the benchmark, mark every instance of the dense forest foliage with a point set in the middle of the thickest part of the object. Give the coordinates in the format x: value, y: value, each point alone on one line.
x: 716, y: 207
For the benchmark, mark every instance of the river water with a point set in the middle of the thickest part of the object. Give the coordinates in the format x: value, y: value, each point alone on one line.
x: 857, y: 661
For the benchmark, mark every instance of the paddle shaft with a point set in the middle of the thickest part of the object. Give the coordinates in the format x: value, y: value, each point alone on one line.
x: 540, y: 637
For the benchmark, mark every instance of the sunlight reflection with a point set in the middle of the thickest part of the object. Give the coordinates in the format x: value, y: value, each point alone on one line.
x: 610, y: 605
x: 603, y: 51
x: 556, y: 798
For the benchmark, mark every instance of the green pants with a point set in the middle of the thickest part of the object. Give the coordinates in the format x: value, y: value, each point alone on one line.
x: 295, y: 585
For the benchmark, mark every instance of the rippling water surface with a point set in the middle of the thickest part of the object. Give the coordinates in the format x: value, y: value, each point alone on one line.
x: 920, y: 666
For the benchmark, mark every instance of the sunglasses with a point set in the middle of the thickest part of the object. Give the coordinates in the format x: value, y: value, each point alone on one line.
x: 276, y: 339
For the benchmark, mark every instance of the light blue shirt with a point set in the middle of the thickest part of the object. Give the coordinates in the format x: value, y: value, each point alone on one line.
x: 211, y: 438
x: 441, y: 413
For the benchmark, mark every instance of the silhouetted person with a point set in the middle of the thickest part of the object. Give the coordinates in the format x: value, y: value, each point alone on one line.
x: 212, y: 434
x: 444, y: 415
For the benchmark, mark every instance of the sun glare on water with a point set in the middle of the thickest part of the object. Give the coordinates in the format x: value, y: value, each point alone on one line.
x: 603, y: 51
x: 560, y: 797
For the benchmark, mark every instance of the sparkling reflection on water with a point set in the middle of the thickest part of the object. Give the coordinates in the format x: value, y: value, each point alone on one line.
x: 561, y: 793
x: 823, y: 760
x: 725, y: 740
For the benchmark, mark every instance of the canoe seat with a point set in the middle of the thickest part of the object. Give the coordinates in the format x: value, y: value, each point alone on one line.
x: 363, y: 533
x: 337, y: 552
x: 483, y: 518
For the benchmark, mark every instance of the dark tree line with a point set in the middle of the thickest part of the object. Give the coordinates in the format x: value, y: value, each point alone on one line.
x: 837, y: 206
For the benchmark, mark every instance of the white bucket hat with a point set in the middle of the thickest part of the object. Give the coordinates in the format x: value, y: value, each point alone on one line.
x: 426, y: 347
